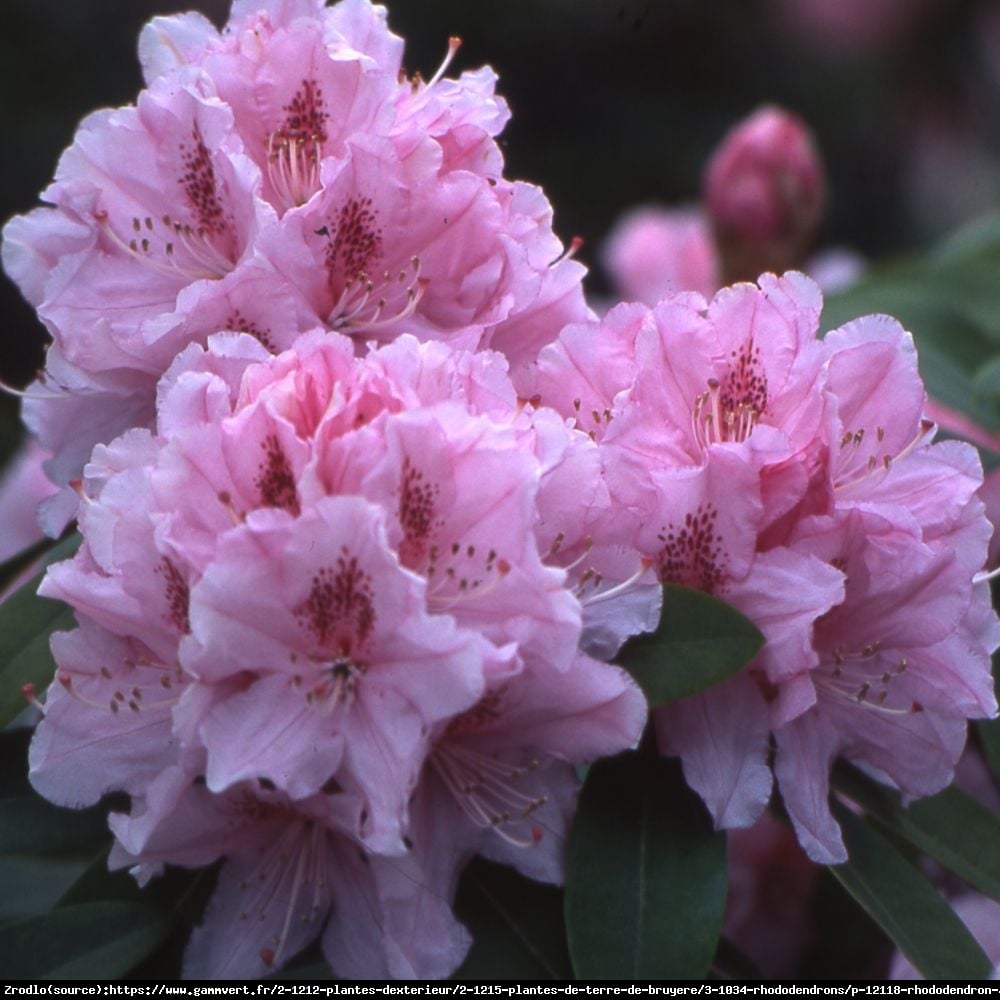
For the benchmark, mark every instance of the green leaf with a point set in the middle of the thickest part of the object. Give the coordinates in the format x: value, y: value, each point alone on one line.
x: 646, y: 874
x: 986, y: 381
x: 30, y: 825
x: 12, y: 568
x: 988, y: 731
x: 700, y: 641
x: 951, y: 827
x: 26, y: 622
x: 516, y: 924
x: 87, y: 941
x: 905, y: 905
x: 977, y: 239
x: 33, y: 884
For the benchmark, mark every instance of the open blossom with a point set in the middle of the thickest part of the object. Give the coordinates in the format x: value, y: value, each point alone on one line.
x: 315, y: 608
x: 279, y: 175
x: 797, y: 480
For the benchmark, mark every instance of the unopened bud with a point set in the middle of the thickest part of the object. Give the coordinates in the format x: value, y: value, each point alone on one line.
x: 765, y: 193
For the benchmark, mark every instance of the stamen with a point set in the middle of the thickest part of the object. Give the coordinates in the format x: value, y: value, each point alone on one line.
x: 853, y: 680
x: 368, y: 305
x: 28, y: 693
x: 622, y: 588
x: 206, y: 260
x: 336, y: 687
x: 300, y: 856
x: 984, y: 575
x: 454, y: 44
x: 574, y: 247
x: 483, y: 788
x: 132, y: 698
x: 718, y: 417
x: 876, y: 464
x: 293, y: 166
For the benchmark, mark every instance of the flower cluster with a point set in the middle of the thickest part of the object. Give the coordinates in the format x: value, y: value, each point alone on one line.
x: 277, y: 176
x: 369, y: 499
x: 319, y: 637
x: 796, y: 479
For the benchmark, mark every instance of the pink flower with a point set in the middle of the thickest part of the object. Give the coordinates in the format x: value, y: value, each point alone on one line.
x: 795, y: 479
x: 23, y: 486
x: 653, y: 252
x: 274, y: 177
x: 905, y: 660
x: 331, y: 568
x: 770, y: 884
x: 764, y: 194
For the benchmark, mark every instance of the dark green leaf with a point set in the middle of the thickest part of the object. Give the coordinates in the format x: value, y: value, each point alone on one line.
x: 978, y: 239
x: 700, y: 642
x: 905, y: 905
x: 96, y: 884
x: 26, y: 622
x: 988, y: 731
x: 986, y: 381
x: 516, y: 925
x: 951, y: 827
x: 646, y: 875
x: 33, y: 884
x: 30, y: 825
x: 12, y: 568
x: 87, y: 941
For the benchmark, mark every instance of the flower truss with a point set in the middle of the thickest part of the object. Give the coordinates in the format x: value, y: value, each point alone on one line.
x: 276, y: 176
x: 320, y: 636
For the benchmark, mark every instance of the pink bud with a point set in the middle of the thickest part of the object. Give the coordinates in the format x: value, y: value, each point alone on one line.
x: 764, y: 193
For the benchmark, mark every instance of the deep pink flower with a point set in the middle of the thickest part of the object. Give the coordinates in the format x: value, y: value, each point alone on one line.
x: 765, y: 193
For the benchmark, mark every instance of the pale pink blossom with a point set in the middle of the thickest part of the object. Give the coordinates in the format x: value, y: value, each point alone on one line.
x: 274, y: 177
x: 653, y: 252
x: 23, y: 486
x: 774, y: 470
x: 770, y: 885
x: 314, y: 606
x: 762, y: 201
x: 905, y: 659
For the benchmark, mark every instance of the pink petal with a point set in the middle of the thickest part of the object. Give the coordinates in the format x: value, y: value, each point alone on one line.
x: 722, y: 737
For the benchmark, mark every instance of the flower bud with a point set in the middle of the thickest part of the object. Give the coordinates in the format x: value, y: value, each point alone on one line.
x: 764, y: 193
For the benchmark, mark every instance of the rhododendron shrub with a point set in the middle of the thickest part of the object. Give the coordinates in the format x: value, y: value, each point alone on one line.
x: 386, y: 544
x: 319, y: 640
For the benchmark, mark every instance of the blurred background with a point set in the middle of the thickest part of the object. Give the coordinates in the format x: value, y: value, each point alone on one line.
x: 615, y: 102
